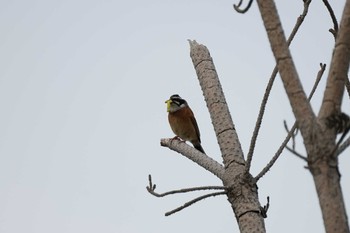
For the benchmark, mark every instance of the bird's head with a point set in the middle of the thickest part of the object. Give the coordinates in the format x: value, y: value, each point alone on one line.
x: 175, y: 103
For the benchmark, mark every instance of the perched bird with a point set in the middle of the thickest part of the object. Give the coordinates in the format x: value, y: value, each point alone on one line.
x: 182, y: 121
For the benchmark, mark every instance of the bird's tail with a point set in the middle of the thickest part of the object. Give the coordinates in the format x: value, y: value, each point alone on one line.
x: 199, y: 147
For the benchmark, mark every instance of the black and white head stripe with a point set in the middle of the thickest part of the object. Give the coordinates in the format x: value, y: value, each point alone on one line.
x: 177, y: 100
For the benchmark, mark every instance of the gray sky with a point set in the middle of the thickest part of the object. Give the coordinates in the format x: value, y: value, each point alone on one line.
x: 82, y: 91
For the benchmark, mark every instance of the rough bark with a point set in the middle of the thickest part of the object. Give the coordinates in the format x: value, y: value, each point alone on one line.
x: 319, y: 140
x: 193, y: 154
x: 324, y: 166
x: 242, y: 194
x: 327, y: 182
x: 339, y: 68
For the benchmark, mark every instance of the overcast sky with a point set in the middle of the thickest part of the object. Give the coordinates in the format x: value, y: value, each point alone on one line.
x: 82, y: 91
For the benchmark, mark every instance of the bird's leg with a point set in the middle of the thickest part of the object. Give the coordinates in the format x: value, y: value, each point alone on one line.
x: 177, y: 138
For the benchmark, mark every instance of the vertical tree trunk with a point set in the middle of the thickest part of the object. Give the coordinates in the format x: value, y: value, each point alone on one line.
x: 323, y: 165
x: 319, y: 140
x: 327, y: 182
x: 242, y: 191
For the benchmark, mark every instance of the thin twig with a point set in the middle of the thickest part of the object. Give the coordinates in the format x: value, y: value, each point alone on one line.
x: 268, y: 90
x: 239, y: 4
x: 287, y: 130
x: 343, y: 146
x: 293, y: 151
x: 259, y: 120
x: 291, y: 132
x: 300, y: 20
x: 151, y: 187
x: 277, y: 154
x: 187, y: 204
x: 294, y: 134
x: 318, y: 79
x: 333, y: 30
x: 347, y: 85
x: 265, y: 208
x: 242, y: 11
x: 340, y: 141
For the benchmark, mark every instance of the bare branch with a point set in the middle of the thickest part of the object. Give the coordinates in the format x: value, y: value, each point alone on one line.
x: 347, y: 85
x: 239, y: 4
x: 293, y: 151
x: 187, y: 204
x: 196, y: 156
x: 318, y: 79
x: 242, y: 11
x: 263, y: 210
x: 301, y: 107
x: 300, y: 20
x: 228, y: 141
x: 277, y: 154
x: 343, y: 146
x: 291, y: 132
x: 151, y: 189
x: 259, y: 120
x: 333, y: 30
x: 224, y: 128
x: 294, y: 134
x: 340, y: 141
x: 339, y: 67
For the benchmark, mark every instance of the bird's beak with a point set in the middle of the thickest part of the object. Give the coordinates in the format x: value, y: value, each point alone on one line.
x: 168, y: 102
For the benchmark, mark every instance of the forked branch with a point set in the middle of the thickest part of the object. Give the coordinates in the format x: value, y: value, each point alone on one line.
x: 297, y: 25
x: 151, y: 189
x: 246, y: 206
x: 297, y: 98
x: 277, y: 154
x: 291, y: 132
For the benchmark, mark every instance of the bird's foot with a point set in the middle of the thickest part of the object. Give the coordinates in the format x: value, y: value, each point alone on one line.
x: 177, y: 138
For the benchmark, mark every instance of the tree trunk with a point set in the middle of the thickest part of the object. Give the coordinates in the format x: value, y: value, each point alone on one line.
x: 319, y: 140
x: 327, y: 181
x: 242, y: 190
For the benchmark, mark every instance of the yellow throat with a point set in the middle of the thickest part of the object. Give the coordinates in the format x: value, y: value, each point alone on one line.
x: 168, y: 102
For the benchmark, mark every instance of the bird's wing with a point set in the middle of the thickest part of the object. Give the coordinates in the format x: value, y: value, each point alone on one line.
x: 194, y: 122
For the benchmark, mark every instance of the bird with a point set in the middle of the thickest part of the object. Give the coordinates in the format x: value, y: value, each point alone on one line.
x: 182, y: 121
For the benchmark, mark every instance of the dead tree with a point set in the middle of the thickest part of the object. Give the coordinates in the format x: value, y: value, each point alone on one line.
x: 318, y: 135
x: 319, y: 131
